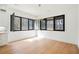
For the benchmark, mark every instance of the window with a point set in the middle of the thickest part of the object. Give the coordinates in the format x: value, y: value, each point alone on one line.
x: 24, y: 24
x: 46, y: 24
x: 49, y: 24
x: 43, y: 24
x: 21, y: 23
x: 17, y: 24
x: 59, y: 23
x: 31, y: 24
x: 56, y: 23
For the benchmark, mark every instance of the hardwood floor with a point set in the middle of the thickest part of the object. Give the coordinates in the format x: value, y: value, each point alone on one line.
x: 38, y: 46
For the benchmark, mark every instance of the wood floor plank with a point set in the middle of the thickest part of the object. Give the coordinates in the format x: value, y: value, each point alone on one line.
x: 39, y: 46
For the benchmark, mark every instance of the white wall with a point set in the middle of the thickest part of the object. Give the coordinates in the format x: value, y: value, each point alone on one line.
x: 5, y: 21
x: 78, y: 25
x: 70, y: 34
x: 13, y: 36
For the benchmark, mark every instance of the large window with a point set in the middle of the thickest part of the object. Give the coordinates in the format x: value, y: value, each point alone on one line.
x: 50, y: 23
x: 31, y: 24
x: 56, y: 23
x: 17, y: 23
x: 43, y: 24
x: 24, y: 24
x: 59, y: 23
x: 46, y: 24
x: 21, y: 23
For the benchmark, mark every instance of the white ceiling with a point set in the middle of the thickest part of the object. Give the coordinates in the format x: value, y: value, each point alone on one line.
x: 44, y: 10
x: 33, y: 9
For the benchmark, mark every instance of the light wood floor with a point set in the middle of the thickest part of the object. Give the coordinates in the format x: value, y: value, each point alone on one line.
x: 38, y: 46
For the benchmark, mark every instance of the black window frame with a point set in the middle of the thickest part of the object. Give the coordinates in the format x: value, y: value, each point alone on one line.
x: 45, y: 24
x: 12, y: 18
x: 59, y: 17
x: 33, y: 21
x: 12, y: 22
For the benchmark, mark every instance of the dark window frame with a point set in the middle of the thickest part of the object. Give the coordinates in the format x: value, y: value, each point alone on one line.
x: 12, y: 22
x: 20, y: 23
x: 12, y: 17
x: 45, y: 24
x: 59, y: 17
x: 32, y: 24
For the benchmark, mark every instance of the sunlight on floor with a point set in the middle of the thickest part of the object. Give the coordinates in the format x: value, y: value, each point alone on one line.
x: 33, y: 39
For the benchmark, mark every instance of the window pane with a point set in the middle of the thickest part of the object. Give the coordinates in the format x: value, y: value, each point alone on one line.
x: 24, y: 24
x: 31, y: 24
x: 16, y: 23
x: 59, y: 24
x: 43, y: 25
x: 50, y: 25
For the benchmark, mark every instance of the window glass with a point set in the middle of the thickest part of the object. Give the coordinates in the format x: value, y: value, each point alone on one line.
x: 31, y: 24
x: 49, y: 24
x: 16, y: 23
x: 43, y: 24
x: 24, y: 24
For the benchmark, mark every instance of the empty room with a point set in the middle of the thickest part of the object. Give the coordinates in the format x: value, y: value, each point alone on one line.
x: 39, y: 29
